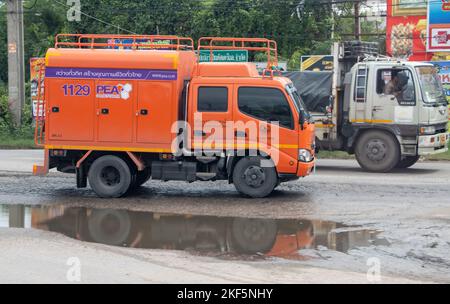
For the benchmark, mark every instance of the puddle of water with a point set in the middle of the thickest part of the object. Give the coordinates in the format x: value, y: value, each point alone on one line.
x: 203, y: 234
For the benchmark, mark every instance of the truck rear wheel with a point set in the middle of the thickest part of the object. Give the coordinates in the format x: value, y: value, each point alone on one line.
x: 252, y: 179
x: 254, y: 235
x: 407, y: 162
x: 377, y: 151
x: 110, y: 227
x: 110, y: 177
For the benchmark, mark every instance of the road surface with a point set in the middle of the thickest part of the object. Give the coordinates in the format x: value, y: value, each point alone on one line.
x: 410, y: 207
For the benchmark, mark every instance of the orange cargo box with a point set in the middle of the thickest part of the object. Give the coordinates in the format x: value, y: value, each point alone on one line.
x: 132, y: 105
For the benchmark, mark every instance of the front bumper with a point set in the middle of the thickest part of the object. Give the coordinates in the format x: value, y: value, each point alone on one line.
x: 433, y: 144
x: 305, y: 169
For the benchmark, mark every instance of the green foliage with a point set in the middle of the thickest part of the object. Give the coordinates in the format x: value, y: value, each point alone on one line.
x: 5, y: 116
x: 7, y: 129
x: 302, y: 31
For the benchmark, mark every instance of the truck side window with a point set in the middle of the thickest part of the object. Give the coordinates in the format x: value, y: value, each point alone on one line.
x: 266, y: 104
x: 212, y: 99
x: 383, y: 78
x: 398, y: 83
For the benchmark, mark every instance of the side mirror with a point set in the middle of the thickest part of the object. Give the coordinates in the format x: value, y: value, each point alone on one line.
x: 302, y: 119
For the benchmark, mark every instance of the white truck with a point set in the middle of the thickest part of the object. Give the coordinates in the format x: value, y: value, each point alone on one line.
x: 385, y: 111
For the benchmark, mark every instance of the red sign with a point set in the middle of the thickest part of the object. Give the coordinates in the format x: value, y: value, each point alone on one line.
x: 407, y: 31
x: 446, y: 5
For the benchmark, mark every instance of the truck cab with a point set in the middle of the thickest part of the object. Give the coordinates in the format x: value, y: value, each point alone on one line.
x: 385, y: 111
x: 404, y: 98
x: 261, y: 113
x: 120, y: 110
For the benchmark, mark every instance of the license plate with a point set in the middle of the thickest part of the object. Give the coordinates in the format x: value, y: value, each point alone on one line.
x: 443, y: 139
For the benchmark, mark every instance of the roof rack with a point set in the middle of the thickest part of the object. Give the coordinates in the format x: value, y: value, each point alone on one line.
x: 380, y: 58
x: 133, y: 42
x: 249, y: 44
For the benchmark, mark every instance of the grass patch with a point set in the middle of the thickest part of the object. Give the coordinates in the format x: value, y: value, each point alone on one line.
x: 8, y: 142
x: 334, y: 154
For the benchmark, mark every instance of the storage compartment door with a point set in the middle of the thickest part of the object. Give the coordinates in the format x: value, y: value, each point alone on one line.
x: 155, y: 112
x: 71, y: 111
x: 115, y: 103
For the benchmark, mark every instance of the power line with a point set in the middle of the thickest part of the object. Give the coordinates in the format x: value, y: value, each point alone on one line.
x: 95, y: 18
x: 224, y: 6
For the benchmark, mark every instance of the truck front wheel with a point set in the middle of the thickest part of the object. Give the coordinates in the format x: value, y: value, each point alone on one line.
x: 408, y: 162
x: 254, y: 180
x: 110, y: 177
x: 377, y: 151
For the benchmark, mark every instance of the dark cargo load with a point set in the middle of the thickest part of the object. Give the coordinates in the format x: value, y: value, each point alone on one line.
x: 315, y: 88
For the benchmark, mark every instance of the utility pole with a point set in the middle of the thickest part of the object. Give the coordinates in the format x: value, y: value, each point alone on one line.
x: 16, y: 65
x: 357, y: 20
x: 17, y: 216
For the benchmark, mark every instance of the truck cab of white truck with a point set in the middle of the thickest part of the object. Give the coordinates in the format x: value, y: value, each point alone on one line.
x: 387, y: 112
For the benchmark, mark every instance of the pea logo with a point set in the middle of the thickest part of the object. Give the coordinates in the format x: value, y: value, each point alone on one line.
x: 125, y: 90
x: 120, y: 91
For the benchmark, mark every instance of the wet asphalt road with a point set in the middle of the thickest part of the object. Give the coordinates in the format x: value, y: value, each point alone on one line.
x: 412, y: 207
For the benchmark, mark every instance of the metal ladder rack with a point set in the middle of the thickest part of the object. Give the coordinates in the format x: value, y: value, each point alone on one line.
x: 249, y: 44
x: 39, y: 131
x: 132, y: 42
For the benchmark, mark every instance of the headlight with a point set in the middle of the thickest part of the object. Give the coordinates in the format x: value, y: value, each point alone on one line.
x: 304, y: 156
x: 427, y: 130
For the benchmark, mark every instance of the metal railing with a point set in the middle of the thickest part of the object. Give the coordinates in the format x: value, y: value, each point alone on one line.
x: 39, y: 131
x: 249, y: 44
x: 134, y: 42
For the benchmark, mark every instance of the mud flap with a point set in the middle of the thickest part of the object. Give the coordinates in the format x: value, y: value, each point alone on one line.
x: 81, y: 177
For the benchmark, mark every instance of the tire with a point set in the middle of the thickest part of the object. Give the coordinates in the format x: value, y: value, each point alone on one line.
x: 110, y: 177
x: 252, y: 180
x: 377, y: 151
x: 110, y: 227
x: 407, y: 162
x: 253, y: 236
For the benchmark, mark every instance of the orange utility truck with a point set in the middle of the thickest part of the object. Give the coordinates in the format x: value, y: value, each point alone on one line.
x: 118, y: 110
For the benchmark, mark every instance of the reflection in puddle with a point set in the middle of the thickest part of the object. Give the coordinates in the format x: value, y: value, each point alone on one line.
x: 206, y: 234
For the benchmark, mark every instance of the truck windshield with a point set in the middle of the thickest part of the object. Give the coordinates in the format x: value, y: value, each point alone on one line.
x: 432, y: 89
x: 299, y: 104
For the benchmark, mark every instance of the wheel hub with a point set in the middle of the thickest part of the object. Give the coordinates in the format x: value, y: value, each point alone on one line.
x: 254, y: 176
x: 376, y: 150
x: 110, y: 176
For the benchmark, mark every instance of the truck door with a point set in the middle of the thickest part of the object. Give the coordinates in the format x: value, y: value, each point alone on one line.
x: 211, y: 110
x: 393, y: 100
x: 154, y: 112
x: 115, y: 101
x: 260, y: 107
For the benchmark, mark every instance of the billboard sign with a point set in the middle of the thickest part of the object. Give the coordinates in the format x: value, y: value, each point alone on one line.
x: 439, y: 26
x: 35, y: 64
x: 443, y: 68
x: 317, y: 63
x: 403, y: 8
